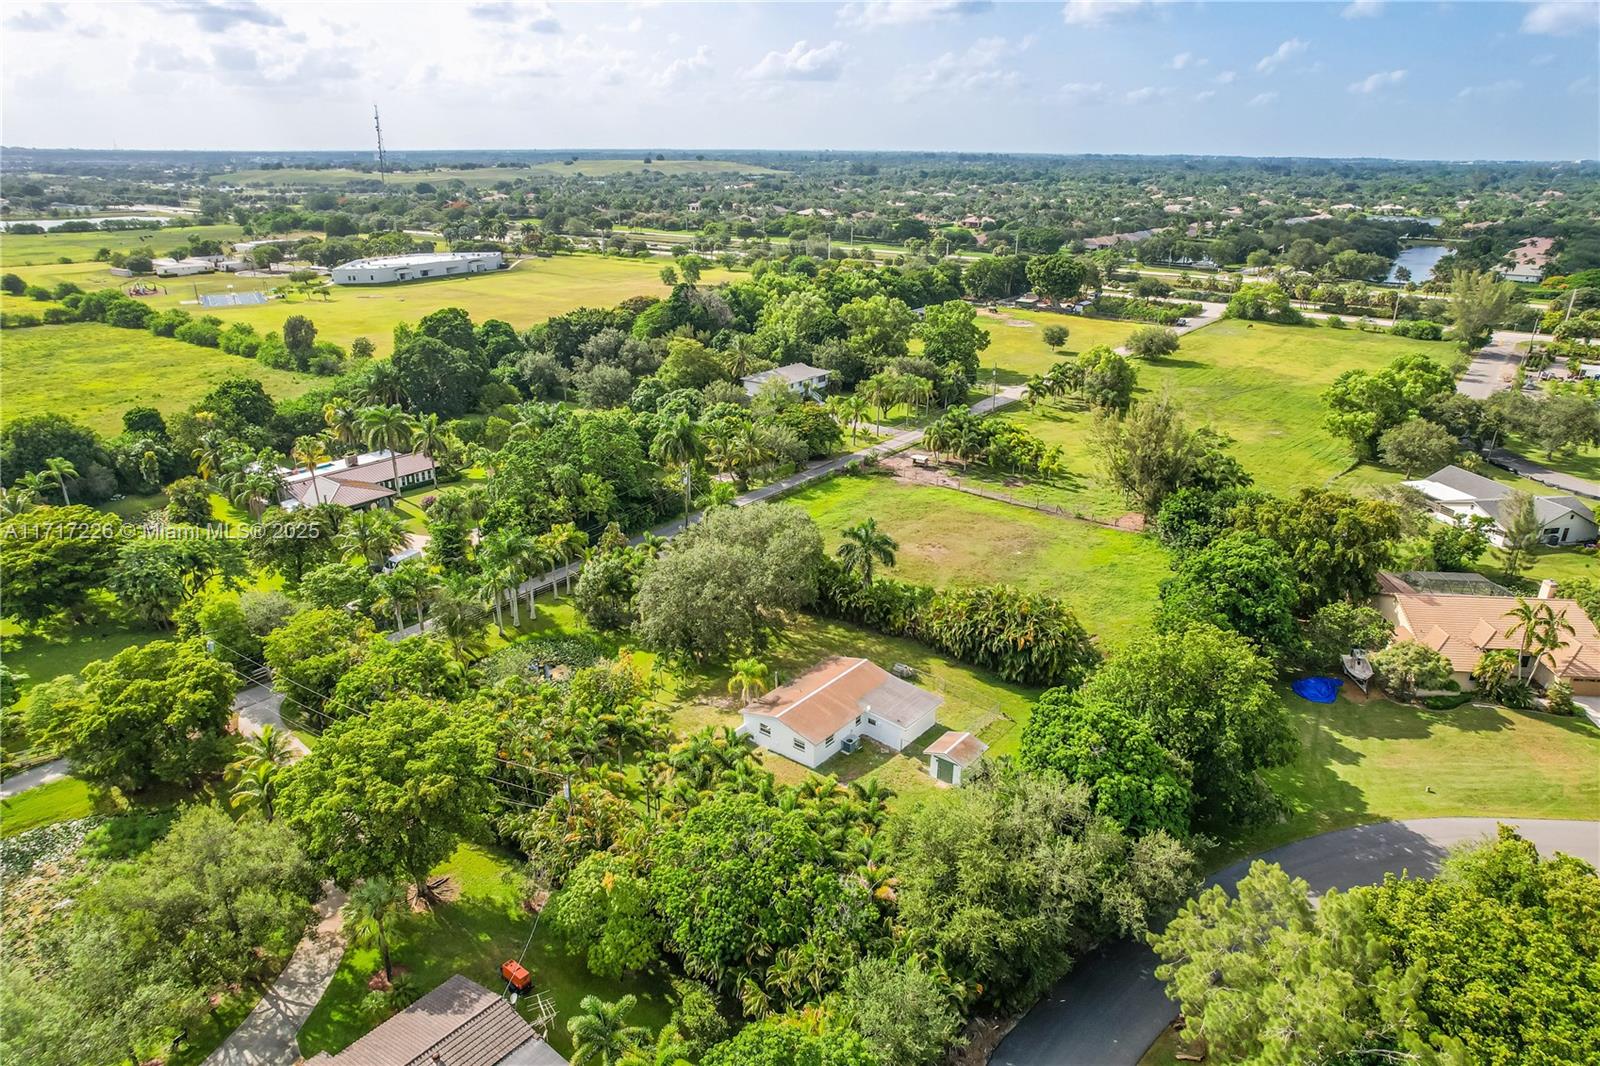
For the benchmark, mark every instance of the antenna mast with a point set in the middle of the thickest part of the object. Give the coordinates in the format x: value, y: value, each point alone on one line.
x: 383, y: 163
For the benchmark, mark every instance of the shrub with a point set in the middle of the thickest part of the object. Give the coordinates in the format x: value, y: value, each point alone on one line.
x: 1406, y: 666
x: 1419, y: 329
x: 1152, y: 342
x: 1558, y: 700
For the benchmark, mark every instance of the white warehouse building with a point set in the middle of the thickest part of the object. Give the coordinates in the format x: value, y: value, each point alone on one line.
x: 390, y: 268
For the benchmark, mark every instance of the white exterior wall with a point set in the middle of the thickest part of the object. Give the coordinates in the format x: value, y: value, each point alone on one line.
x: 442, y: 267
x: 780, y: 739
x: 1570, y: 528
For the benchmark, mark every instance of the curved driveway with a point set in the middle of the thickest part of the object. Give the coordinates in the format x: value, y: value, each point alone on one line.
x: 1111, y: 1008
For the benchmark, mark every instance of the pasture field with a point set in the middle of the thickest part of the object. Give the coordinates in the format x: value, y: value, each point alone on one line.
x: 94, y: 372
x: 483, y: 177
x: 1108, y: 576
x: 30, y: 249
x: 1017, y: 349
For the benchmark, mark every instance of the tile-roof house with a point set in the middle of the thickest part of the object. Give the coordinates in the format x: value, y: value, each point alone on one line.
x: 810, y: 718
x: 460, y: 1023
x: 358, y: 481
x: 1456, y: 492
x: 1463, y: 627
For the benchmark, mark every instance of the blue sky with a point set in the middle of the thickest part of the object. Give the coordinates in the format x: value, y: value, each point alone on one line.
x: 1408, y: 80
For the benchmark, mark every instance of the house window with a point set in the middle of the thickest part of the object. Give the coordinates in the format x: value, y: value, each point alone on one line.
x: 766, y: 730
x: 799, y: 745
x: 858, y: 719
x: 871, y: 720
x: 828, y: 743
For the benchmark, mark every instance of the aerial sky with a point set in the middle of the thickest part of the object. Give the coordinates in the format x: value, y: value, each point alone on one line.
x: 1415, y: 80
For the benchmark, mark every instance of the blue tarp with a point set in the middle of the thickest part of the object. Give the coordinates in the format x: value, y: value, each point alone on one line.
x: 1318, y: 689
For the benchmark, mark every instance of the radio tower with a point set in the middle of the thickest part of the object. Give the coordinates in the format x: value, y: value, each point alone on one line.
x: 383, y: 163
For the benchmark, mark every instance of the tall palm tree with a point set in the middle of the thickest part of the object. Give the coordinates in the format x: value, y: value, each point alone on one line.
x: 256, y: 789
x: 211, y: 454
x: 458, y: 615
x: 58, y: 469
x: 373, y: 535
x: 1525, y: 622
x: 567, y: 542
x: 343, y: 419
x: 271, y: 747
x: 367, y: 912
x: 864, y: 546
x: 1550, y: 625
x: 428, y: 436
x: 389, y: 428
x: 311, y: 451
x: 601, y: 1034
x: 678, y: 444
x: 749, y: 676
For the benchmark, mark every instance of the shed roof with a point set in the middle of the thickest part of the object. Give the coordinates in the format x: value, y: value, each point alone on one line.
x: 963, y: 749
x: 790, y: 374
x: 825, y: 699
x: 460, y: 1022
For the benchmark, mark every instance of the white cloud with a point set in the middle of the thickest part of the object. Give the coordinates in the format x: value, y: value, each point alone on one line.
x: 869, y: 14
x: 1373, y: 82
x: 1583, y: 86
x: 1498, y: 88
x: 1084, y: 92
x: 1145, y: 94
x: 1227, y: 77
x: 538, y: 17
x: 1561, y: 18
x: 1097, y: 12
x: 683, y: 69
x: 1362, y: 9
x: 1203, y: 95
x: 1263, y: 99
x: 42, y: 19
x: 1181, y: 60
x: 979, y: 68
x: 801, y: 63
x: 1281, y: 55
x: 225, y: 16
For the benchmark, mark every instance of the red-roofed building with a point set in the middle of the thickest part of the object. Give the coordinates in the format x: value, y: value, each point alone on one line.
x: 358, y: 481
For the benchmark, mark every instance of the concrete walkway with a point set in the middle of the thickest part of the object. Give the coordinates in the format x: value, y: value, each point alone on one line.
x: 1111, y: 1008
x: 42, y: 774
x: 267, y: 1036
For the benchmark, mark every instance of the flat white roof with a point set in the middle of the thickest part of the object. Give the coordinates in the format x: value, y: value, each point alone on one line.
x: 420, y: 259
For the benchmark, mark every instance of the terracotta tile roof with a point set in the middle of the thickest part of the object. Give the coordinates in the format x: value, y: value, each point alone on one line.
x: 337, y: 490
x: 820, y: 702
x: 1462, y: 628
x: 962, y: 749
x: 460, y: 1022
x: 375, y: 470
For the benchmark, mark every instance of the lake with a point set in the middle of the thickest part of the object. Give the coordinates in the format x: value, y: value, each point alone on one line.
x: 1420, y: 260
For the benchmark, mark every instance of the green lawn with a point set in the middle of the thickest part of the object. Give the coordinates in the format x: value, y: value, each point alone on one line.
x: 95, y: 372
x: 59, y: 801
x: 1109, y: 577
x: 974, y: 700
x: 28, y: 249
x: 473, y: 935
x: 42, y: 658
x: 1017, y: 348
x: 1375, y: 761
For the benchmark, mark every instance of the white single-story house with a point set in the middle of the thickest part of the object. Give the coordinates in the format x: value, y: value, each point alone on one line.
x: 179, y: 268
x: 1457, y: 493
x: 388, y: 268
x: 806, y: 382
x: 833, y: 705
x: 951, y: 754
x: 357, y: 481
x: 1461, y: 627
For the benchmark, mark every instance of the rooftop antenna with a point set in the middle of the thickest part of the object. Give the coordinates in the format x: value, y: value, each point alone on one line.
x: 383, y: 163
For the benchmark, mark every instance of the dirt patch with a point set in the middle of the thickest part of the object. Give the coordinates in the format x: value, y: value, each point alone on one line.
x: 981, y: 1036
x: 1133, y: 522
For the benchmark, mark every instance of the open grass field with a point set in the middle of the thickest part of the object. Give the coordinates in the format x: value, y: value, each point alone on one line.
x: 974, y: 701
x: 59, y: 801
x: 94, y: 372
x: 472, y: 935
x: 484, y: 177
x: 602, y: 168
x: 28, y: 249
x: 1108, y: 576
x: 1374, y: 761
x: 42, y: 658
x: 1017, y: 349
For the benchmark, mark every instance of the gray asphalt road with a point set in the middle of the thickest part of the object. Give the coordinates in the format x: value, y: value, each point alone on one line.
x: 42, y: 774
x: 1489, y: 372
x: 1534, y: 470
x: 1111, y: 1008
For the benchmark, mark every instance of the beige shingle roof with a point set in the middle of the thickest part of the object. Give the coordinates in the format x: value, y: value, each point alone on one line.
x: 1462, y: 628
x: 963, y: 749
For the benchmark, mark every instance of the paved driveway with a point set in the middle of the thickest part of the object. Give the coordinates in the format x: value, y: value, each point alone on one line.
x: 42, y: 774
x: 1490, y: 371
x: 1111, y: 1008
x: 1534, y: 470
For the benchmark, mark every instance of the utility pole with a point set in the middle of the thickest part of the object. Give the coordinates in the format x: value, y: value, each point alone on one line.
x: 383, y: 162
